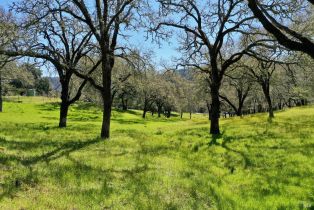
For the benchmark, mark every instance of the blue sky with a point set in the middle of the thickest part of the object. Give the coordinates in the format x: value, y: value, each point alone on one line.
x: 164, y: 52
x: 5, y: 3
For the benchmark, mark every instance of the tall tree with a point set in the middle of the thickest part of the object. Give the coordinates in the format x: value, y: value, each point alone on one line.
x: 106, y: 19
x: 211, y: 30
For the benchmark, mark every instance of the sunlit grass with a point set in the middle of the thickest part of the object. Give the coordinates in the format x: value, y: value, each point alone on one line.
x: 153, y: 163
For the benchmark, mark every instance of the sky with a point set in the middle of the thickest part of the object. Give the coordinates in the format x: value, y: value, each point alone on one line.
x: 5, y: 3
x: 162, y: 53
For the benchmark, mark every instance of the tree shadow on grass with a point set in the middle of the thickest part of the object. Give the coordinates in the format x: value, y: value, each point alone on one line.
x: 27, y: 176
x: 25, y: 145
x: 128, y: 121
x: 49, y: 106
x: 227, y: 140
x: 215, y: 138
x: 246, y: 161
x: 13, y: 185
x: 63, y: 150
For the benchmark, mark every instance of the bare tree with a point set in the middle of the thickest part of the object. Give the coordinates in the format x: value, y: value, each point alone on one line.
x: 55, y: 37
x: 239, y: 86
x: 209, y: 40
x: 106, y: 20
x: 262, y: 68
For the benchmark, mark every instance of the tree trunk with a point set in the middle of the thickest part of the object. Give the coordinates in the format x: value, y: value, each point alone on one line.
x: 289, y: 103
x: 181, y: 114
x: 144, y: 113
x: 208, y: 109
x: 168, y: 113
x: 107, y: 100
x: 303, y: 102
x: 239, y: 112
x: 268, y: 99
x: 64, y: 108
x: 124, y: 104
x: 215, y: 110
x: 280, y: 105
x: 240, y: 107
x: 105, y: 128
x: 144, y: 109
x: 159, y: 107
x: 190, y: 115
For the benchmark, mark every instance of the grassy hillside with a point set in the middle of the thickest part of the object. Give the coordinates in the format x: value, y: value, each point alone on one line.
x: 153, y: 163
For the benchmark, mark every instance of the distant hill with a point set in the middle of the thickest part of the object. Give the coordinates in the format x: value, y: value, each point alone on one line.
x: 185, y: 73
x: 54, y: 83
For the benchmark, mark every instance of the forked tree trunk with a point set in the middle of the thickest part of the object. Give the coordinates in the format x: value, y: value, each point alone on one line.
x: 65, y: 97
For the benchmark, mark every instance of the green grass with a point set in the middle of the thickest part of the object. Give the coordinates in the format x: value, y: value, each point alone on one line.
x: 153, y: 163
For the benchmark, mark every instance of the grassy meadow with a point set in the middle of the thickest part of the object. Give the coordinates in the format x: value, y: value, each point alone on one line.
x: 153, y: 163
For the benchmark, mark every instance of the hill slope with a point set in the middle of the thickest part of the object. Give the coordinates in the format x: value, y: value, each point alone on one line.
x: 153, y: 163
